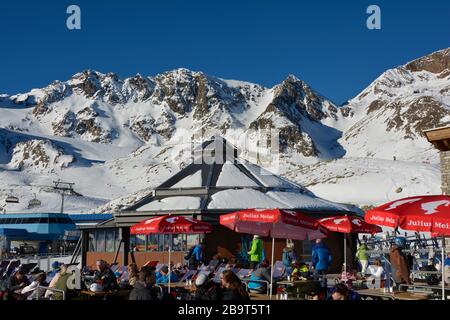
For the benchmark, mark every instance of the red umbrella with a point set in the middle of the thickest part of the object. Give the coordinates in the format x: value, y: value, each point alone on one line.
x: 170, y: 225
x: 420, y: 214
x: 348, y: 224
x: 276, y: 223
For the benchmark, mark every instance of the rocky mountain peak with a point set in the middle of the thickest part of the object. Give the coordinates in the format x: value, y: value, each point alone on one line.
x: 438, y: 62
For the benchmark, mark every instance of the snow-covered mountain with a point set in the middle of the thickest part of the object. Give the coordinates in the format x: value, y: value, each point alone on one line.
x: 390, y: 115
x: 115, y: 137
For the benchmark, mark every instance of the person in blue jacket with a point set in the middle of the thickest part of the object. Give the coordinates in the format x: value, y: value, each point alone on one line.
x: 198, y: 253
x: 163, y: 276
x: 262, y: 273
x: 321, y: 257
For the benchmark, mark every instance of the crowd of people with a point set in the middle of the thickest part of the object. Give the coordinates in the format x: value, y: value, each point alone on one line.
x: 145, y: 283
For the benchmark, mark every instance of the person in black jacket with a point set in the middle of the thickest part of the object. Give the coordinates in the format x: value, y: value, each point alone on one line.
x: 16, y: 283
x: 232, y: 287
x: 143, y: 288
x: 105, y: 276
x: 204, y: 289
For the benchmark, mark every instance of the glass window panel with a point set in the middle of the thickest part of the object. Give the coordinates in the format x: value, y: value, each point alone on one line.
x: 166, y: 242
x: 140, y: 242
x: 101, y: 241
x: 153, y: 242
x: 92, y: 246
x: 191, y: 240
x: 177, y: 242
x: 110, y: 241
x: 117, y: 240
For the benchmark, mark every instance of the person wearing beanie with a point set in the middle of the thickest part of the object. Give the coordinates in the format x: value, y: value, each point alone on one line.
x: 55, y: 269
x: 204, y: 289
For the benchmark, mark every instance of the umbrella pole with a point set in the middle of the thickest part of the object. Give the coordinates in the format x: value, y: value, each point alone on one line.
x: 345, y: 252
x: 271, y: 269
x: 170, y: 270
x: 443, y: 268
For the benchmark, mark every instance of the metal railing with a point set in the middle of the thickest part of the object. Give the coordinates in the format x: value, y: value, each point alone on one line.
x: 50, y: 289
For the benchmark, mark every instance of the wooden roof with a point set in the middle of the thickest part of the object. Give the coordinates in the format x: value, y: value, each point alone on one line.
x: 439, y: 137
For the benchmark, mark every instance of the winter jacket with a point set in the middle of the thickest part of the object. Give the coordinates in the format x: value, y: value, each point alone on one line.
x: 107, y: 278
x: 206, y: 292
x: 399, y: 265
x: 198, y: 253
x: 289, y: 256
x: 259, y: 274
x: 233, y: 295
x: 256, y: 252
x: 447, y: 261
x: 361, y: 253
x: 141, y: 291
x: 161, y: 278
x: 321, y: 257
x: 14, y: 284
x: 30, y: 290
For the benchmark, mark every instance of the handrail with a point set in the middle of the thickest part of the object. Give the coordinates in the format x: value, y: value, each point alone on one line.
x: 50, y: 289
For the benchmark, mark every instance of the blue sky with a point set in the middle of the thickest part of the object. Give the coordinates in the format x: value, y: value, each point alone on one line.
x: 325, y: 43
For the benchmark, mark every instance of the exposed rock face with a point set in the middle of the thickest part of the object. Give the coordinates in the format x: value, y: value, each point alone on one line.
x: 401, y: 104
x: 39, y: 155
x: 104, y: 108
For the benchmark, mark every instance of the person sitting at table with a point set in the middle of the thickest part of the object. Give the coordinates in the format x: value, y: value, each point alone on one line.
x: 204, y: 289
x: 289, y: 256
x: 59, y: 281
x: 105, y: 276
x: 320, y: 294
x: 431, y: 279
x: 144, y: 286
x: 15, y: 284
x: 133, y: 273
x: 232, y: 288
x: 376, y: 273
x: 300, y: 270
x: 30, y: 290
x: 342, y: 292
x: 55, y: 269
x: 259, y: 274
x: 348, y: 276
x: 163, y: 276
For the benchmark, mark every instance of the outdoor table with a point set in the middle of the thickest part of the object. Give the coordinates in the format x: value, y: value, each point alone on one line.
x: 425, y: 286
x: 261, y: 296
x: 302, y: 287
x: 105, y: 294
x: 379, y: 293
x: 180, y: 284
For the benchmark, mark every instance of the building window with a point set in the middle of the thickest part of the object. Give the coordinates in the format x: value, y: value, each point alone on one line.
x: 152, y: 242
x: 91, y: 237
x: 109, y: 241
x: 101, y: 241
x: 118, y: 238
x: 139, y: 242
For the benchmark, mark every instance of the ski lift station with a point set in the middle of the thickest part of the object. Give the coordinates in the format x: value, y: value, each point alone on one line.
x: 43, y: 232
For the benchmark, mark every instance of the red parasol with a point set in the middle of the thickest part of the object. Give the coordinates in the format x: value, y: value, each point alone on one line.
x: 170, y: 225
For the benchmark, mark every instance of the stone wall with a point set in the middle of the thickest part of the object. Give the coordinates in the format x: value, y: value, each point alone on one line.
x: 445, y: 172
